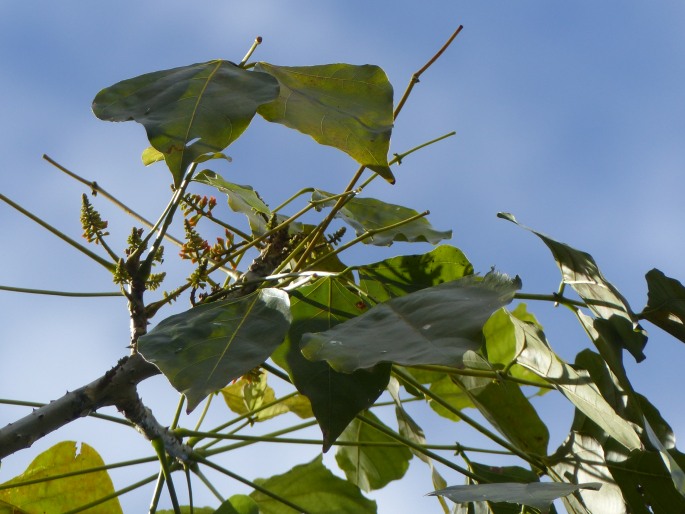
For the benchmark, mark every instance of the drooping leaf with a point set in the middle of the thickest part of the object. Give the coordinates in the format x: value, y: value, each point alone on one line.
x: 370, y: 467
x: 647, y: 485
x: 410, y: 430
x: 340, y: 105
x: 579, y: 270
x: 336, y: 398
x: 203, y: 349
x: 405, y: 274
x: 366, y: 214
x: 245, y: 396
x: 500, y: 343
x: 583, y: 460
x: 189, y: 111
x: 505, y: 406
x: 535, y: 354
x: 537, y: 494
x: 431, y: 326
x: 65, y: 493
x: 313, y: 488
x: 665, y: 304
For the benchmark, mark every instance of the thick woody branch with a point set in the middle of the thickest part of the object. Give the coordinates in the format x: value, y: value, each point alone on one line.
x: 117, y: 387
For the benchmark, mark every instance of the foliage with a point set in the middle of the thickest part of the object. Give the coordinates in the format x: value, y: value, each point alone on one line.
x: 422, y: 326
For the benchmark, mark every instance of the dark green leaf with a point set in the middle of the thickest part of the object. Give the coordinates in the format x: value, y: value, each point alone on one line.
x: 336, y: 398
x: 340, y: 105
x: 505, y: 406
x: 431, y: 326
x: 366, y: 214
x: 189, y: 111
x: 371, y: 467
x: 579, y: 270
x: 665, y: 304
x: 203, y: 349
x: 537, y: 494
x: 315, y: 489
x: 535, y: 354
x: 405, y: 274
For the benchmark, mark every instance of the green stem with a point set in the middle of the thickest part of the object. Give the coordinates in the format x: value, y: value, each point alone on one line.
x: 204, y: 412
x: 96, y: 189
x: 294, y: 197
x: 158, y: 445
x: 251, y: 484
x: 157, y: 492
x: 37, y: 405
x: 60, y: 293
x: 103, y: 262
x: 208, y: 484
x: 495, y: 375
x: 179, y: 409
x: 257, y: 42
x: 555, y: 298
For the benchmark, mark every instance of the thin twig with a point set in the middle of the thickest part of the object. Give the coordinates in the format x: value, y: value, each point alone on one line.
x: 60, y: 293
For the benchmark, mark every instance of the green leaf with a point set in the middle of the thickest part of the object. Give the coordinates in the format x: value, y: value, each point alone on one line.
x: 243, y: 199
x: 367, y: 214
x: 185, y: 509
x: 336, y: 398
x: 238, y: 504
x: 645, y: 482
x: 500, y: 343
x: 340, y: 105
x: 535, y: 354
x: 67, y: 493
x: 451, y: 393
x: 247, y: 395
x: 537, y: 494
x: 431, y: 326
x: 189, y: 111
x: 203, y: 349
x: 583, y: 460
x: 371, y: 467
x: 405, y: 274
x: 151, y: 155
x: 505, y: 406
x: 315, y: 489
x: 665, y: 304
x: 579, y: 270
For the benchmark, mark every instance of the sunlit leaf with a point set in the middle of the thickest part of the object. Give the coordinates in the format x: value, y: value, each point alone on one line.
x: 336, y: 398
x: 203, y: 349
x: 313, y: 488
x: 186, y: 509
x: 238, y: 504
x: 451, y: 394
x: 151, y: 155
x: 505, y: 406
x: 66, y: 493
x: 535, y: 354
x: 580, y: 271
x: 405, y: 274
x: 340, y: 105
x: 365, y: 214
x: 666, y: 304
x: 189, y: 111
x: 537, y: 494
x: 370, y: 467
x: 247, y: 395
x: 583, y: 460
x: 431, y: 326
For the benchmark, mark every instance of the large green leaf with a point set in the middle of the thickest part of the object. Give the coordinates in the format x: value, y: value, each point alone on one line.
x: 66, y: 493
x: 405, y: 274
x: 203, y: 349
x: 371, y: 467
x: 336, y: 398
x: 238, y: 504
x: 666, y: 304
x: 579, y: 270
x: 431, y: 326
x: 535, y: 354
x: 536, y: 494
x: 583, y: 460
x: 366, y: 214
x: 340, y: 105
x: 505, y: 406
x: 189, y: 111
x: 313, y: 488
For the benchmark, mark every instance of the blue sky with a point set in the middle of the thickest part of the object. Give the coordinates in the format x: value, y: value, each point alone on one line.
x: 569, y: 115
